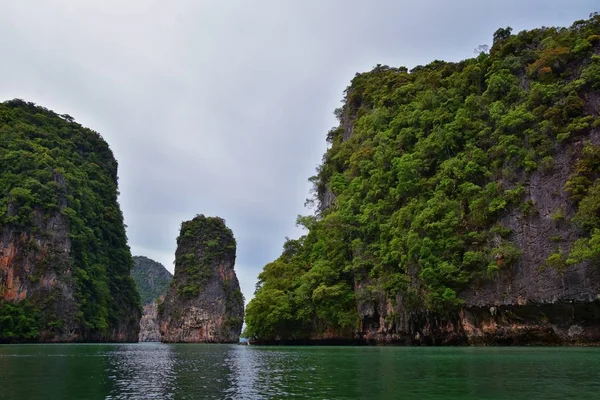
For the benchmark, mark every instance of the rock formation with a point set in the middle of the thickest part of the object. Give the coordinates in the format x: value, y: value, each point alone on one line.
x: 457, y: 203
x: 149, y: 331
x: 64, y: 259
x: 204, y: 303
x: 529, y: 301
x: 152, y: 280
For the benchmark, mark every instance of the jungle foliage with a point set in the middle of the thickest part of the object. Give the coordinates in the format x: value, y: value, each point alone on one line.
x: 420, y: 170
x: 52, y: 166
x: 202, y: 242
x: 151, y: 278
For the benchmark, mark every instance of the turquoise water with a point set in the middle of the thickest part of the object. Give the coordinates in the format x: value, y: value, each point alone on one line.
x: 161, y: 371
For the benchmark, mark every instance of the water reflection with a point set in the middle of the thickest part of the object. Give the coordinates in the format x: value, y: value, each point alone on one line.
x: 244, y: 369
x: 260, y: 373
x: 51, y: 372
x: 179, y: 371
x: 145, y: 371
x: 161, y: 371
x: 202, y: 370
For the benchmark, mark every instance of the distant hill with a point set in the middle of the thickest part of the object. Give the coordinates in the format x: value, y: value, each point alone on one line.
x: 151, y: 277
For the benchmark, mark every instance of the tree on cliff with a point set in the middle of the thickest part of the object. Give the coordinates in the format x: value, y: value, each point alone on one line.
x: 421, y: 171
x: 64, y: 259
x: 151, y: 279
x: 204, y: 302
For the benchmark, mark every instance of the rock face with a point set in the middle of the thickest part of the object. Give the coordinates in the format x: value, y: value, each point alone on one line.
x: 149, y: 331
x: 458, y: 203
x: 64, y: 259
x: 152, y: 280
x: 528, y: 302
x: 204, y: 302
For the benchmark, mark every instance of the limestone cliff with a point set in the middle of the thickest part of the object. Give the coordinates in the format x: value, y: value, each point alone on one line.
x: 204, y: 302
x: 152, y: 280
x: 457, y: 203
x: 528, y: 301
x: 149, y: 331
x: 64, y: 259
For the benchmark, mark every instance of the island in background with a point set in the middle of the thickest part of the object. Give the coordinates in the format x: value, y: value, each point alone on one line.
x: 152, y: 280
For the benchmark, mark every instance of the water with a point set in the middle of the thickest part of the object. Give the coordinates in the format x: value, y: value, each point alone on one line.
x: 161, y: 371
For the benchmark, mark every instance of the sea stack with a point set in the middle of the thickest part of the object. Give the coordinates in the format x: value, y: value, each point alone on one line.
x: 149, y: 323
x: 204, y: 303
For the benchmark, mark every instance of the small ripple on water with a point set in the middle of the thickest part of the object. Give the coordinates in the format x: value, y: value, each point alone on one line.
x: 158, y: 371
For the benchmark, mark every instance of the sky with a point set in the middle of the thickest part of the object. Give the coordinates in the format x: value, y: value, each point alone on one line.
x: 221, y: 107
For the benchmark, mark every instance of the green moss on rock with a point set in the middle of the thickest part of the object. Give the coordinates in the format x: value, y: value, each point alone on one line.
x: 438, y: 185
x: 204, y: 302
x: 64, y: 257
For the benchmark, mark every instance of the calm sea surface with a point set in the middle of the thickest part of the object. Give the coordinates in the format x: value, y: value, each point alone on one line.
x: 161, y: 371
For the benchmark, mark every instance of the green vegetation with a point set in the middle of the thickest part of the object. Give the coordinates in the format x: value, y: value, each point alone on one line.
x: 201, y: 242
x: 419, y: 172
x: 19, y: 321
x: 151, y: 278
x: 55, y: 169
x: 584, y: 188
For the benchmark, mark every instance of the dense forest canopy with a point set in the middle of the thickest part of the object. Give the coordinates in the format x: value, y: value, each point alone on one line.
x: 53, y: 169
x: 419, y: 172
x: 202, y: 241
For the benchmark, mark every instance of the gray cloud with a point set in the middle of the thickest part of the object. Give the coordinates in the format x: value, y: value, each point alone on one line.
x: 222, y: 107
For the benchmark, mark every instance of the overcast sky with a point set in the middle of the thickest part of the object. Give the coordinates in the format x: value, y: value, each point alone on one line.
x: 222, y: 107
